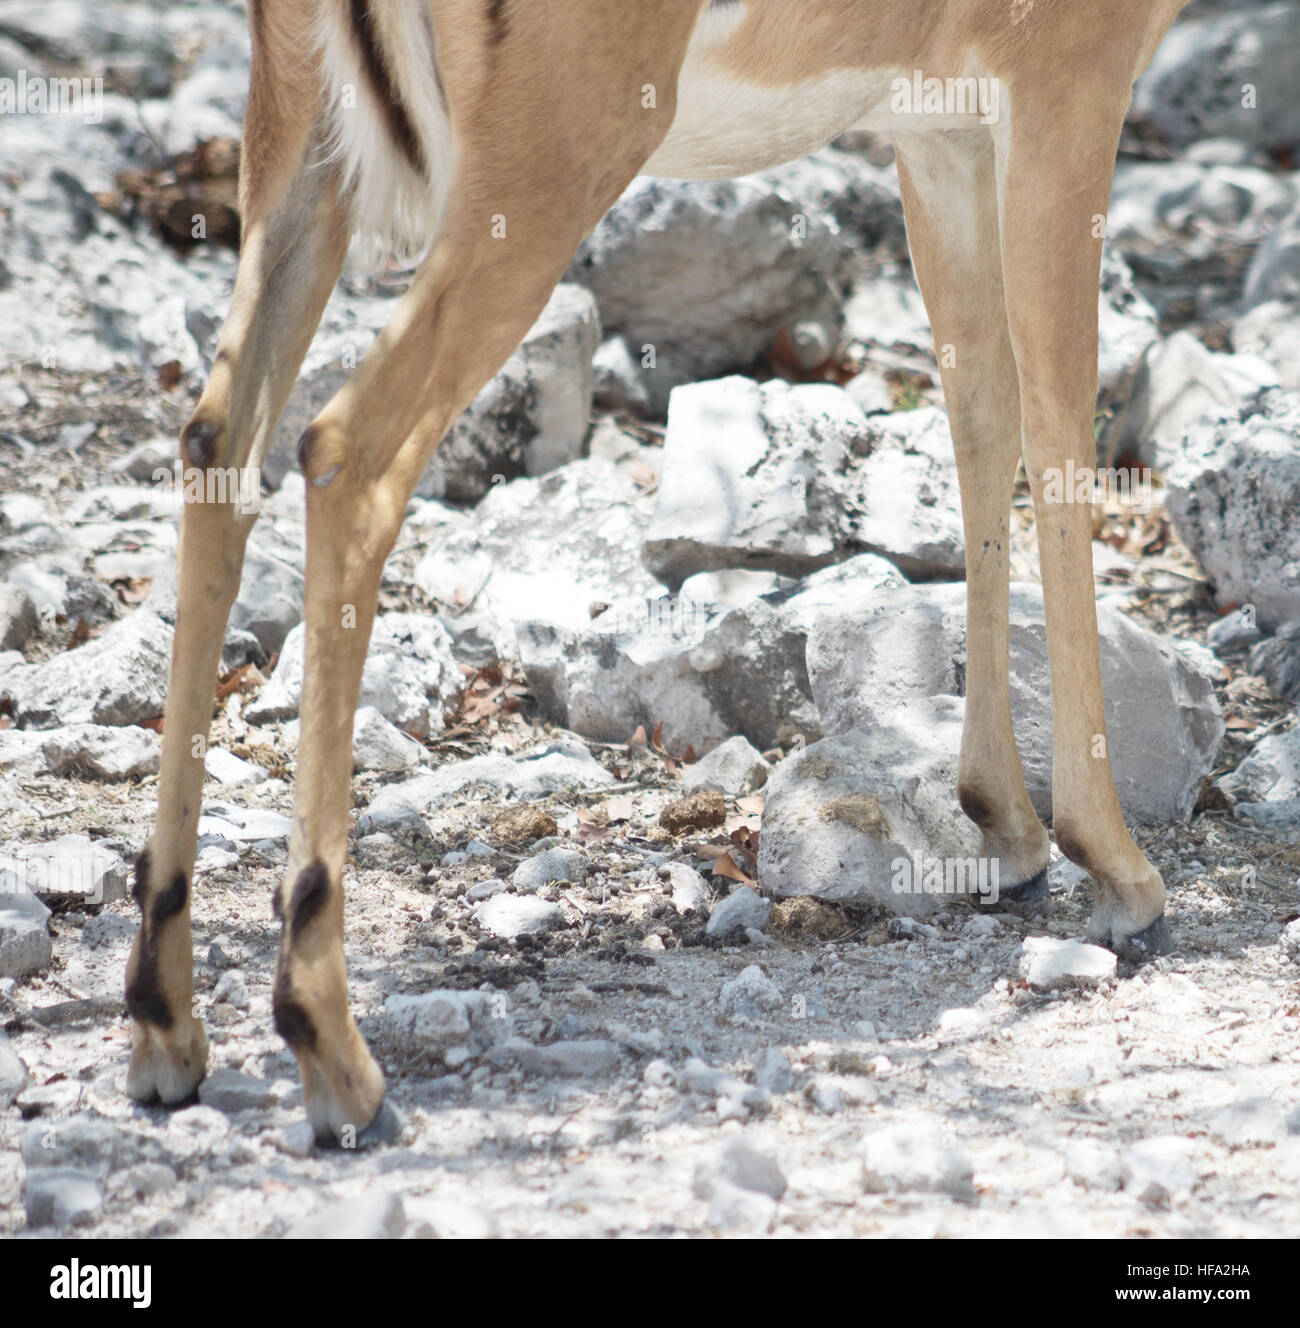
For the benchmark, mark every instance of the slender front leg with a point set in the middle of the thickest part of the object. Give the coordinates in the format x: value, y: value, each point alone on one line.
x: 949, y: 189
x: 292, y: 253
x: 1059, y: 159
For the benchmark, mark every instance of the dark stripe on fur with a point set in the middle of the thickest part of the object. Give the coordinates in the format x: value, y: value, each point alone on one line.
x: 172, y: 900
x: 141, y: 886
x: 144, y: 994
x: 292, y: 1022
x: 399, y: 123
x: 310, y: 891
x: 498, y: 21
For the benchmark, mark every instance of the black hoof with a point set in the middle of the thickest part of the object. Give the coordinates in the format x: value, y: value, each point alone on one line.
x: 1154, y: 939
x: 1026, y: 892
x: 385, y: 1128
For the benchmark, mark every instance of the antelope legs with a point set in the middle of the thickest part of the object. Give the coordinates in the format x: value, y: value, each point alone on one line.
x: 294, y: 242
x: 512, y: 226
x: 949, y: 192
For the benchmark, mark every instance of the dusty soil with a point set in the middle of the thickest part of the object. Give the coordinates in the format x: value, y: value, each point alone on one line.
x: 1044, y: 1091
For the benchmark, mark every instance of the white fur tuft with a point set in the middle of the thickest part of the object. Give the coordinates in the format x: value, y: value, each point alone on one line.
x: 395, y: 209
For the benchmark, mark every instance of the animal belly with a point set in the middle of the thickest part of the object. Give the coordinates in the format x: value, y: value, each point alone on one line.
x: 725, y: 126
x: 727, y: 123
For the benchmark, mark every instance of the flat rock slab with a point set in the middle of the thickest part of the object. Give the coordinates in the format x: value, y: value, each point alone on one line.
x: 1049, y: 965
x: 509, y: 916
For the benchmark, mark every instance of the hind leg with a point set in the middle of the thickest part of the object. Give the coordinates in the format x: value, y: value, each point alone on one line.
x: 292, y: 252
x: 522, y: 201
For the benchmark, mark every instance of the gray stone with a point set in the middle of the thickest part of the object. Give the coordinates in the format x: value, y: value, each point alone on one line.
x: 89, y: 1142
x: 1127, y: 326
x: 734, y: 767
x: 510, y: 916
x: 25, y: 944
x: 772, y: 1071
x: 117, y: 678
x: 741, y: 1162
x: 689, y: 890
x: 232, y: 990
x: 1250, y: 1122
x: 13, y: 1073
x: 81, y: 280
x: 126, y: 752
x: 1178, y: 383
x: 916, y: 1155
x: 1232, y: 632
x: 449, y: 1219
x: 750, y: 994
x: 557, y: 766
x: 372, y: 1216
x: 1233, y: 496
x: 63, y: 1197
x: 707, y: 272
x: 733, y: 1097
x: 794, y: 478
x: 748, y: 477
x: 435, y: 1021
x: 1281, y: 815
x: 230, y: 1091
x: 1174, y: 215
x: 269, y: 604
x: 1193, y: 87
x: 533, y: 415
x: 231, y: 771
x: 1274, y: 272
x: 1049, y: 965
x: 1163, y: 722
x: 1277, y: 660
x: 846, y: 818
x: 618, y: 380
x: 410, y: 675
x: 569, y: 1060
x: 1094, y: 1168
x: 242, y: 825
x: 741, y: 909
x: 1271, y: 773
x: 17, y: 617
x: 379, y: 745
x: 71, y: 869
x: 518, y: 555
x: 555, y: 864
x: 862, y: 198
x: 1289, y: 941
x: 733, y: 1209
x: 706, y: 671
x: 1159, y: 1170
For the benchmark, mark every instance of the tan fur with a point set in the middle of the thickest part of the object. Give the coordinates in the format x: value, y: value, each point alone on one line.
x: 544, y: 99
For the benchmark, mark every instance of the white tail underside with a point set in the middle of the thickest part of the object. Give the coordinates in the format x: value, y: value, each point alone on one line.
x: 395, y: 210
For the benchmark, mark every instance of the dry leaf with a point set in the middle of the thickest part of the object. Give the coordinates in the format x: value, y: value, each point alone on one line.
x: 725, y: 866
x: 622, y: 808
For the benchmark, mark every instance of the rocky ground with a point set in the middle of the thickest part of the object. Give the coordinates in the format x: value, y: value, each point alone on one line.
x: 654, y: 630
